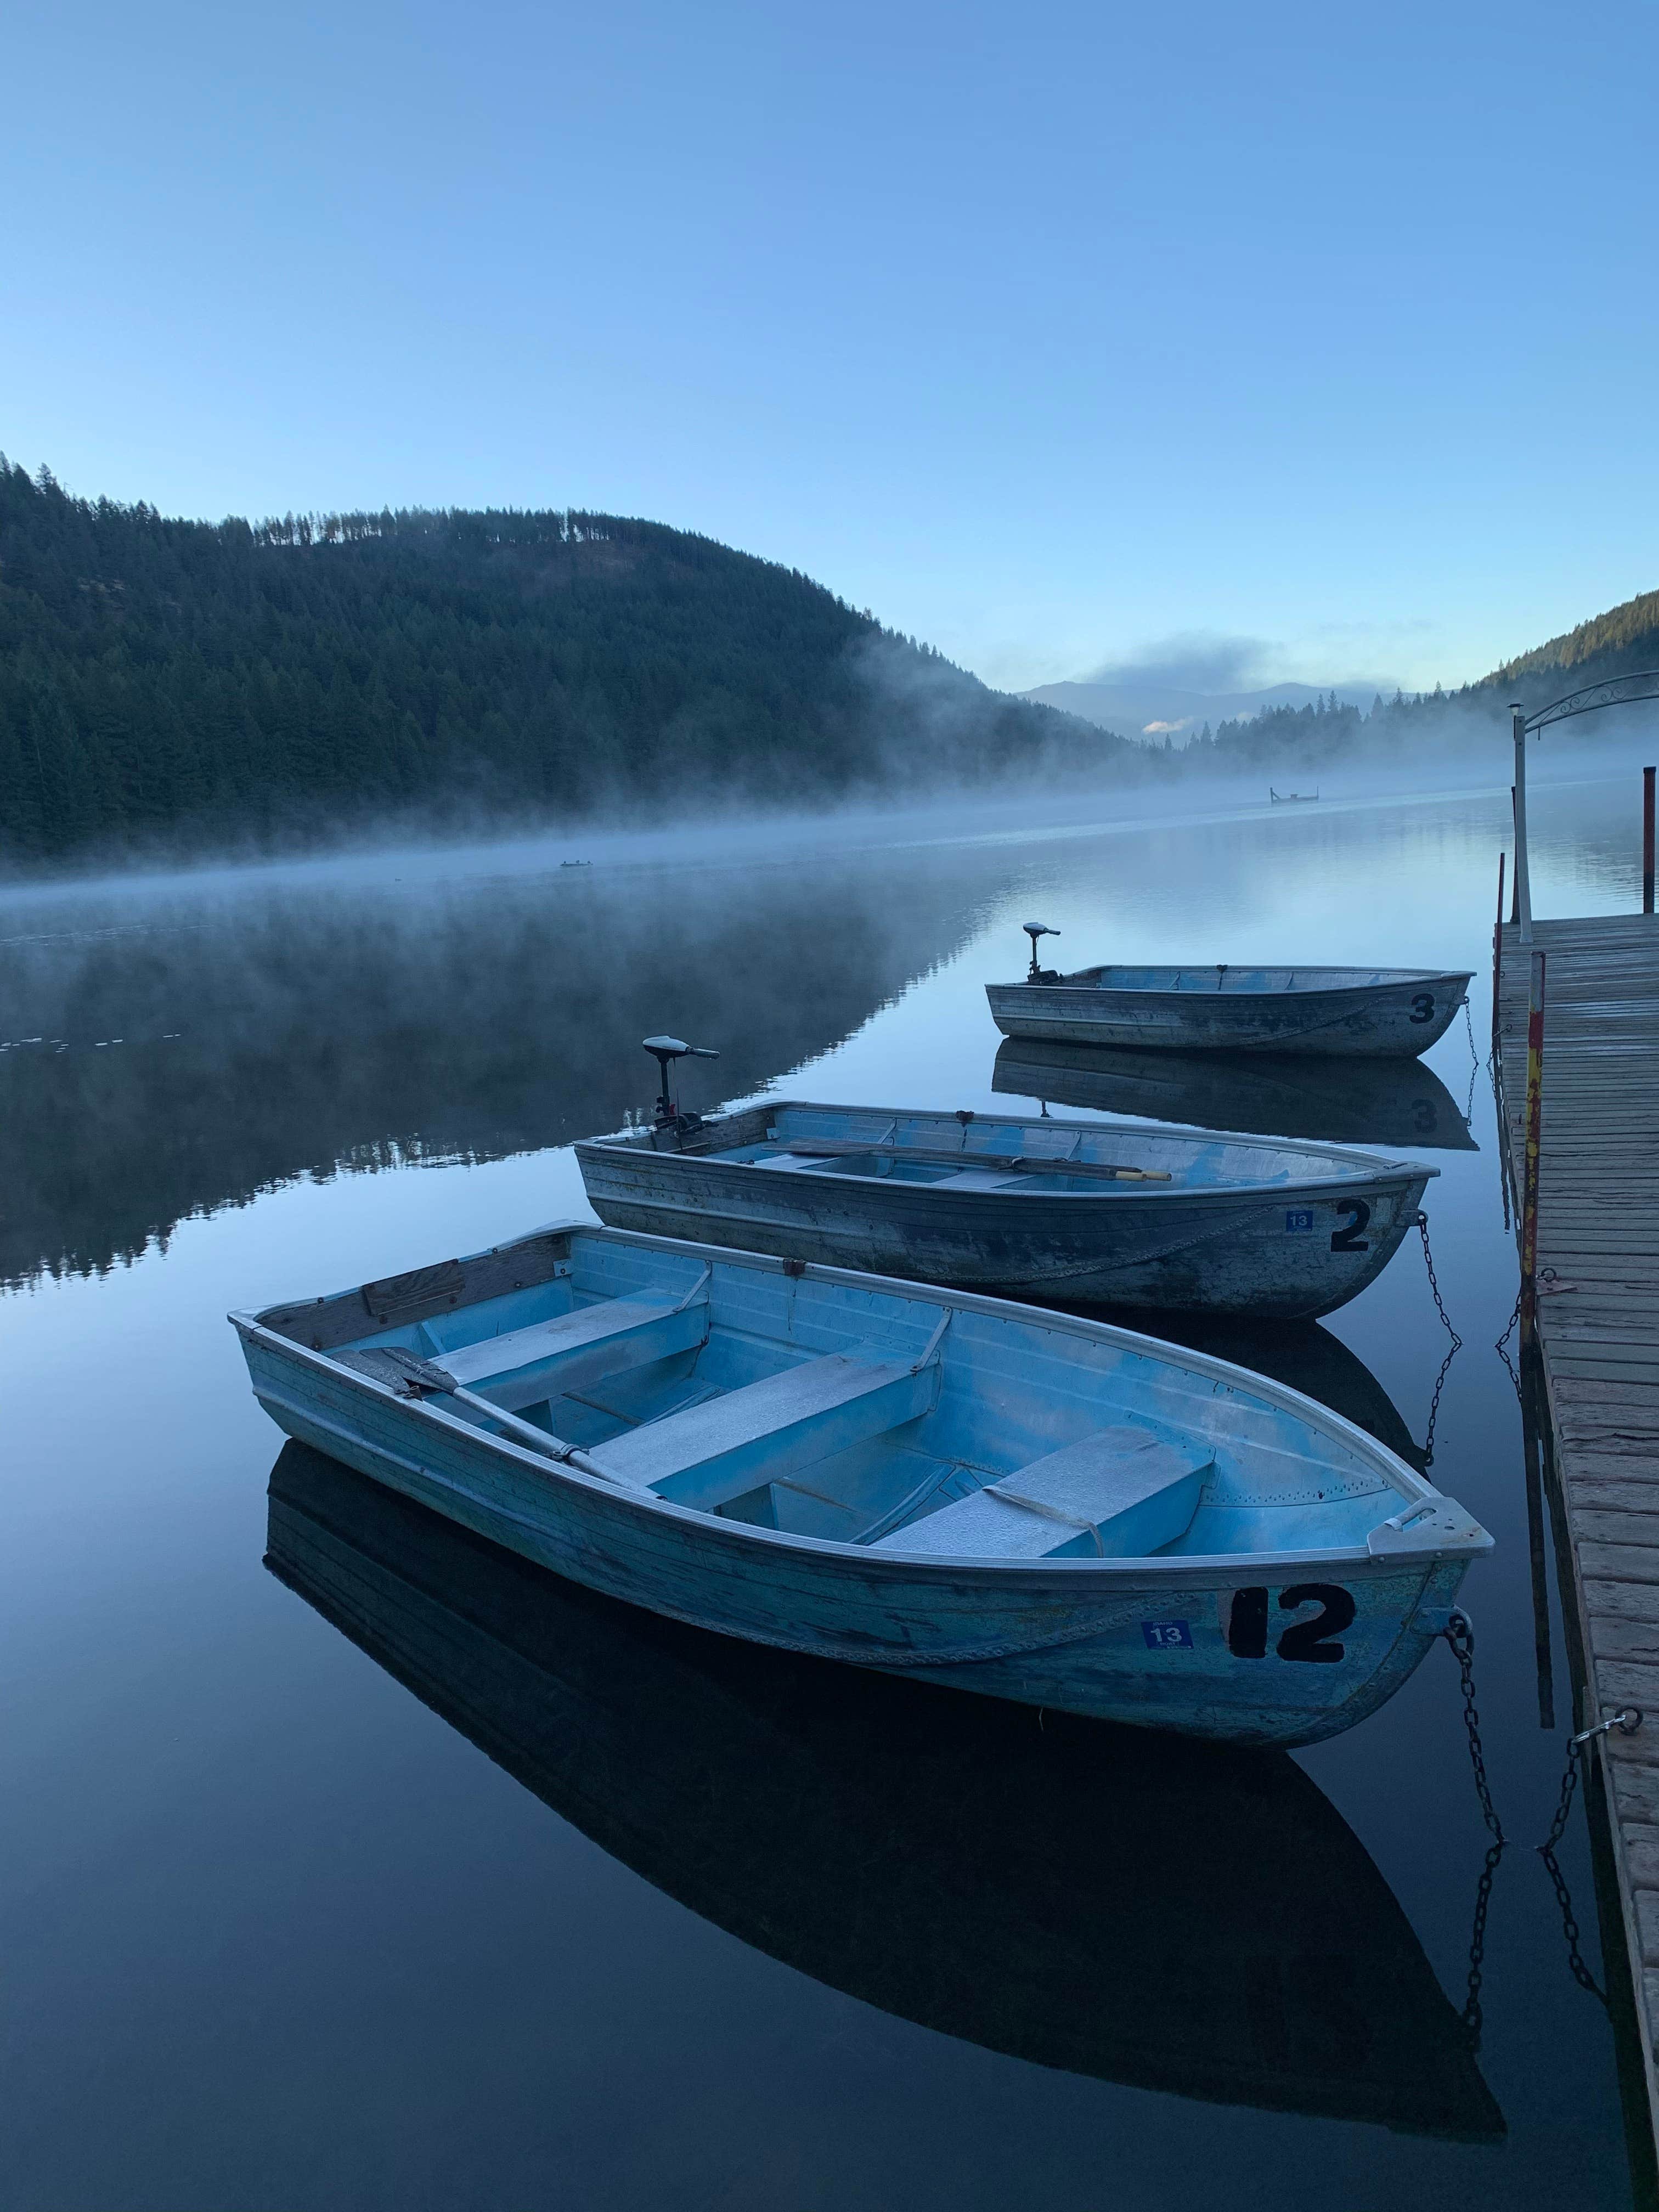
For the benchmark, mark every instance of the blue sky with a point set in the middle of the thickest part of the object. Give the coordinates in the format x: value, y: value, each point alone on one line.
x: 1324, y: 337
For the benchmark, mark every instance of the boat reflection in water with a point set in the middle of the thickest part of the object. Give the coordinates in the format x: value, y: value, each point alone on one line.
x: 1350, y: 1102
x: 1153, y: 1911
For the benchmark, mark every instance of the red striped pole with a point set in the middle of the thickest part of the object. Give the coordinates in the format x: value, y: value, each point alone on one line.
x: 1497, y: 950
x: 1647, y: 840
x: 1529, y: 1186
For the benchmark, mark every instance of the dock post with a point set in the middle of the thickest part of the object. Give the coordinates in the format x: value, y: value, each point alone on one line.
x: 1522, y: 872
x: 1647, y: 840
x: 1514, y: 880
x: 1497, y: 951
x: 1529, y: 1177
x: 1534, y: 1423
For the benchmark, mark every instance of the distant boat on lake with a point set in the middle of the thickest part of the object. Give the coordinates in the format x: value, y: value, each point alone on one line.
x: 1172, y: 1917
x: 1292, y: 798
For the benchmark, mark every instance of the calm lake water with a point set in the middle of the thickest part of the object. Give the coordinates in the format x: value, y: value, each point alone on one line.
x: 509, y: 1898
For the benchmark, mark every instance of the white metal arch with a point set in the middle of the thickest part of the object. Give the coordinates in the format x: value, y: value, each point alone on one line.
x: 1618, y: 691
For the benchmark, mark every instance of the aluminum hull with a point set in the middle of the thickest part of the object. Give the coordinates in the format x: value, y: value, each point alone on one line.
x: 1308, y: 1511
x: 1367, y: 1013
x: 1242, y: 1226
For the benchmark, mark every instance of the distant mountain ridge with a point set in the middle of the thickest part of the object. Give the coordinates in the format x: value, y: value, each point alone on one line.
x: 1289, y: 727
x: 1157, y: 711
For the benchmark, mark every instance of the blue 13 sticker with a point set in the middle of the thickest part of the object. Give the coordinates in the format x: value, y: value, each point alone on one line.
x: 1167, y: 1635
x: 1298, y: 1221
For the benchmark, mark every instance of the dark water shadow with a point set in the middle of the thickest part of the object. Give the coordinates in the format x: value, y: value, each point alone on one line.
x: 1401, y: 1104
x: 159, y: 1071
x: 1162, y: 1914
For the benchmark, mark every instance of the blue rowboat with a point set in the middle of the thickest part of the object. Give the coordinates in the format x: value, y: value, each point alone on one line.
x: 1024, y: 1503
x: 909, y: 1847
x: 1122, y: 1214
x: 1389, y: 1013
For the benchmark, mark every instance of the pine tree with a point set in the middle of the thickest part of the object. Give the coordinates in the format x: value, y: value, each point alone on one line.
x: 176, y: 678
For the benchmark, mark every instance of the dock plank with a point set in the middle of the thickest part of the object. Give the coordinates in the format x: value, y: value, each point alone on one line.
x: 1598, y: 1230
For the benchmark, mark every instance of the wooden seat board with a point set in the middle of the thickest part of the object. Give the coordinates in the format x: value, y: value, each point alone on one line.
x: 523, y: 1366
x: 716, y: 1451
x: 1133, y: 1488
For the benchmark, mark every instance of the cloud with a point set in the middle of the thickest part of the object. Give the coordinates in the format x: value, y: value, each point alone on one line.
x: 1408, y: 626
x: 1167, y: 729
x: 1194, y: 660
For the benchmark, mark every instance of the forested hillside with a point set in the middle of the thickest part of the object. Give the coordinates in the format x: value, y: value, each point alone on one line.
x: 1620, y: 642
x: 167, y: 680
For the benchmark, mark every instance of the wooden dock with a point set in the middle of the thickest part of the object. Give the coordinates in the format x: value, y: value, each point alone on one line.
x: 1598, y: 1325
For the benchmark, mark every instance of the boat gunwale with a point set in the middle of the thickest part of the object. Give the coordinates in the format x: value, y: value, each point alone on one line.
x: 1392, y: 979
x: 1372, y: 1169
x: 891, y: 1564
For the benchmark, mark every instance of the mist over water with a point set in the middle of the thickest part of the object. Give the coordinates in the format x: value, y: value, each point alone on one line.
x: 917, y: 786
x: 171, y: 1046
x: 344, y: 1895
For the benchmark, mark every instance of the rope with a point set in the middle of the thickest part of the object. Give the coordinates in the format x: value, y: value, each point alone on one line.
x: 1048, y: 1512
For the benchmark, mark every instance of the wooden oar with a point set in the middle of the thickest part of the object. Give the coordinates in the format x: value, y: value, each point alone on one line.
x: 836, y: 1147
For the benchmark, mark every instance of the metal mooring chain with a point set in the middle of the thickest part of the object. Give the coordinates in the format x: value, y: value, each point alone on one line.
x: 1474, y: 1055
x: 1627, y: 1720
x: 1456, y: 1342
x: 1547, y: 1281
x: 1459, y: 1632
x: 1581, y: 1973
x: 1472, y: 2017
x: 1502, y: 1347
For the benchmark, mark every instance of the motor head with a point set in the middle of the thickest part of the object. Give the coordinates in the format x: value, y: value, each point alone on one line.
x: 665, y: 1050
x: 1034, y: 930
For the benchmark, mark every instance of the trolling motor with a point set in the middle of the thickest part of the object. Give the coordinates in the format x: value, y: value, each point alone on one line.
x: 663, y: 1050
x: 1038, y: 973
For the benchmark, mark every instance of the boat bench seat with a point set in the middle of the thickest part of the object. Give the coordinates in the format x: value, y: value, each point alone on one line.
x: 525, y: 1366
x: 1131, y: 1488
x: 974, y: 1174
x: 716, y: 1451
